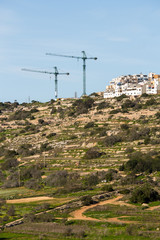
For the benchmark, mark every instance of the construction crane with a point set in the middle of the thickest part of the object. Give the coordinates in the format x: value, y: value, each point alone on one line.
x: 84, y: 58
x: 56, y: 73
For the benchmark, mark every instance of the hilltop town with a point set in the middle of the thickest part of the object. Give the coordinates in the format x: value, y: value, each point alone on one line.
x: 133, y: 85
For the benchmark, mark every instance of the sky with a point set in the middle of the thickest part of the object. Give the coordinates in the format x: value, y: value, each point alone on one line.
x: 124, y: 36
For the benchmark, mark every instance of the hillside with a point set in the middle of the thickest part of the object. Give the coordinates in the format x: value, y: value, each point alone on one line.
x: 77, y: 151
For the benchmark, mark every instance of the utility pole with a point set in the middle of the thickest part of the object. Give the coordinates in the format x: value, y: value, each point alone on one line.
x: 55, y: 73
x: 84, y: 58
x: 19, y: 177
x: 44, y: 160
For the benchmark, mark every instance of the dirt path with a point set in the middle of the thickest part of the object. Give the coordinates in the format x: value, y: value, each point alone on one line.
x: 27, y: 200
x: 153, y: 208
x: 78, y: 214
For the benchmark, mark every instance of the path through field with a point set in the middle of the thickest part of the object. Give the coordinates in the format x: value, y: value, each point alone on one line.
x: 78, y: 214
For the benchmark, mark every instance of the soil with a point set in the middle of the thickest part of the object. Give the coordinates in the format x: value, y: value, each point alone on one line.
x: 27, y: 200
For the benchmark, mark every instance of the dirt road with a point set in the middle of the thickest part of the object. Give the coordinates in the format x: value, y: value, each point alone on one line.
x: 78, y: 214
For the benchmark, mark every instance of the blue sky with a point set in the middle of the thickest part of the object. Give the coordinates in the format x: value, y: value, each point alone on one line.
x: 123, y: 34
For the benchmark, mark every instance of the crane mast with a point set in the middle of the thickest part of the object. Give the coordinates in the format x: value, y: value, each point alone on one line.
x: 84, y: 58
x: 55, y: 73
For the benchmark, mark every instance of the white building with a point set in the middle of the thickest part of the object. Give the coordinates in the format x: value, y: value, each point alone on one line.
x: 133, y: 85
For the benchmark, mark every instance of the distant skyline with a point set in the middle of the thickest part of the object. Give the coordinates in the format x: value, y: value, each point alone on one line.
x: 124, y: 36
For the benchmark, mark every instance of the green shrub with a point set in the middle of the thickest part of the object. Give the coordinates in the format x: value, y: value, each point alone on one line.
x: 45, y: 147
x: 115, y: 111
x: 87, y: 200
x: 92, y: 153
x: 9, y: 163
x: 20, y: 115
x: 51, y: 135
x: 129, y: 150
x: 112, y: 140
x: 109, y: 176
x: 145, y: 95
x: 141, y: 162
x: 124, y: 126
x: 57, y: 179
x: 107, y: 188
x: 151, y: 102
x: 89, y: 125
x: 128, y: 104
x: 25, y: 150
x: 103, y: 105
x: 157, y: 115
x: 54, y: 110
x: 81, y: 106
x: 121, y: 97
x: 91, y: 180
x: 12, y: 180
x: 33, y: 184
x: 144, y: 194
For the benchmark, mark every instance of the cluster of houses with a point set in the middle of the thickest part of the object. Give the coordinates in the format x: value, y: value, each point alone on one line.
x: 133, y: 85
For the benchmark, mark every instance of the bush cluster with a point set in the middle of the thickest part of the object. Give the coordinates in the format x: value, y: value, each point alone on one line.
x: 81, y: 106
x: 144, y: 194
x: 20, y: 115
x: 141, y: 162
x: 93, y: 153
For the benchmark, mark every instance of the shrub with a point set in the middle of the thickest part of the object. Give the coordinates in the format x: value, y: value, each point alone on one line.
x: 57, y: 179
x: 124, y: 126
x: 11, y: 211
x: 9, y: 163
x: 114, y: 111
x: 40, y: 121
x: 91, y: 180
x: 20, y: 115
x: 109, y: 176
x: 25, y: 151
x: 12, y: 181
x: 54, y: 110
x: 81, y: 106
x: 144, y: 194
x: 9, y: 153
x: 102, y: 105
x: 89, y: 125
x: 157, y: 115
x: 31, y: 172
x: 128, y: 104
x: 124, y: 191
x: 34, y: 110
x: 129, y: 150
x: 51, y: 135
x: 107, y: 188
x: 33, y: 184
x: 112, y: 139
x: 121, y: 97
x: 145, y: 95
x: 150, y: 102
x: 92, y: 153
x: 141, y: 162
x: 45, y: 147
x: 87, y: 200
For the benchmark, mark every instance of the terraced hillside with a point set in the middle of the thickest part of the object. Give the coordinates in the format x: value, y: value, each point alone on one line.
x: 77, y: 152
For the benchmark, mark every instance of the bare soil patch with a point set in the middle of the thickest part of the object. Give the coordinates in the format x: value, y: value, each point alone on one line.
x: 32, y: 199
